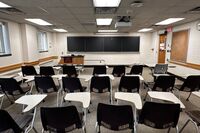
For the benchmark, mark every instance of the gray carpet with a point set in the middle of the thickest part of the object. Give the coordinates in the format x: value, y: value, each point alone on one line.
x: 50, y: 101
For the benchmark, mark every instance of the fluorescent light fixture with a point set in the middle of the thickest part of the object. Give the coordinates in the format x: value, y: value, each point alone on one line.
x: 107, y: 31
x: 60, y: 30
x: 38, y: 21
x: 3, y: 5
x: 145, y: 30
x: 169, y: 21
x: 104, y: 21
x: 106, y: 3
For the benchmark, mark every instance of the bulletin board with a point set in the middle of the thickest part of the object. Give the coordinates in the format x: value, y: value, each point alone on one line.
x: 179, y: 47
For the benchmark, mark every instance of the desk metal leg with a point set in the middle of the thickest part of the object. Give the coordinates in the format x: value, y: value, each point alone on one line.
x: 1, y: 102
x: 31, y: 126
x: 111, y: 100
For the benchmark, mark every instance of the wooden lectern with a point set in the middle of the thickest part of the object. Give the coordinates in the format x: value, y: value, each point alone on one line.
x: 72, y: 59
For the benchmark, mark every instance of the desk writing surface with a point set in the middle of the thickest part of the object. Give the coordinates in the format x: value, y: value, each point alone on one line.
x: 130, y: 97
x: 167, y: 96
x: 140, y: 77
x: 31, y: 101
x: 196, y: 93
x: 1, y: 95
x: 83, y: 97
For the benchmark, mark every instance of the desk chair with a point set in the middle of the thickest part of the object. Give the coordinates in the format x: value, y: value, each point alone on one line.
x: 8, y: 123
x: 114, y: 117
x: 162, y: 83
x: 45, y: 84
x: 72, y: 84
x: 100, y: 85
x: 160, y: 69
x: 10, y: 86
x: 28, y: 70
x: 70, y: 71
x: 136, y: 69
x: 191, y: 83
x: 99, y: 70
x: 160, y: 115
x: 118, y: 71
x: 61, y: 119
x: 46, y: 70
x: 129, y: 84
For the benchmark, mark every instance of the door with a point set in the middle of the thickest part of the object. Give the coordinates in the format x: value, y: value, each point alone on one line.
x: 162, y: 48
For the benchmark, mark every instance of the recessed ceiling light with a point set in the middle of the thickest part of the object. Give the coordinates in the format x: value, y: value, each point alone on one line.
x: 145, y: 30
x: 106, y: 3
x: 60, y: 30
x: 104, y: 21
x: 3, y: 5
x: 169, y: 21
x: 38, y: 21
x: 107, y: 31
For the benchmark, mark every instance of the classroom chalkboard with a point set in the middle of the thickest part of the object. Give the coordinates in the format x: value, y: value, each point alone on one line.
x: 103, y: 44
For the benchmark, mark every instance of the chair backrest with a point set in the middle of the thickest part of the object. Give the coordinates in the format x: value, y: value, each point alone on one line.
x: 191, y: 83
x: 115, y: 117
x: 99, y: 70
x: 129, y: 84
x: 46, y: 70
x: 136, y: 69
x: 164, y: 83
x: 60, y: 119
x: 160, y: 68
x: 71, y: 84
x: 70, y: 71
x: 7, y: 122
x: 10, y: 85
x: 100, y: 84
x: 119, y: 71
x: 160, y: 115
x: 28, y: 70
x: 44, y: 83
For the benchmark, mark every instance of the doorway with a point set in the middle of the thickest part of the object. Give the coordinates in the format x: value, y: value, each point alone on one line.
x: 162, y: 48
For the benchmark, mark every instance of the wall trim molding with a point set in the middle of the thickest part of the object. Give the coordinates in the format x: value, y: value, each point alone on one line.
x: 190, y: 65
x: 18, y: 65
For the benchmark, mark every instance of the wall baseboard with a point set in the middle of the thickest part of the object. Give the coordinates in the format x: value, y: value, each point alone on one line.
x: 16, y: 66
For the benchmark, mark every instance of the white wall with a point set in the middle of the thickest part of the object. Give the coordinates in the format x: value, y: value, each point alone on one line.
x: 23, y: 43
x: 193, y: 55
x: 146, y: 55
x: 15, y: 45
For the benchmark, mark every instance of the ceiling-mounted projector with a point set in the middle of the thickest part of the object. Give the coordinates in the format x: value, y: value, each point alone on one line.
x: 123, y: 21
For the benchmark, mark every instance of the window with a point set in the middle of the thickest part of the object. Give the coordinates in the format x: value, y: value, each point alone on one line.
x: 4, y: 39
x: 42, y: 42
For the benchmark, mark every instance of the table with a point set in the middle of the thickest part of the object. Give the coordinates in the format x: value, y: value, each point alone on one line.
x: 130, y: 97
x: 83, y: 97
x: 2, y: 97
x: 31, y: 101
x: 167, y: 96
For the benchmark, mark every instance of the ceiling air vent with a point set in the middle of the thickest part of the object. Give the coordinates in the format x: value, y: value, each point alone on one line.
x: 195, y: 10
x: 105, y: 10
x: 11, y: 11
